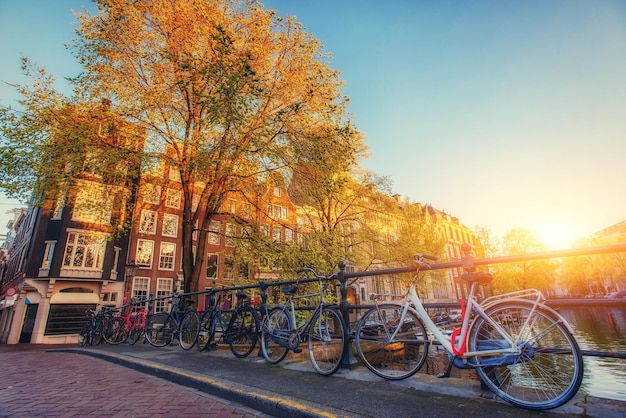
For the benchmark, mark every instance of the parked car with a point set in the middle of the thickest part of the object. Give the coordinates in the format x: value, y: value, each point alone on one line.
x: 621, y: 294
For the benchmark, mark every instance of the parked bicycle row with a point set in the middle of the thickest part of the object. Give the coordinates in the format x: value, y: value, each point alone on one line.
x: 521, y: 349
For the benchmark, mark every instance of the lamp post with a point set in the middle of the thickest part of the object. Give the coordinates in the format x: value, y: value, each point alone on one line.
x: 130, y: 269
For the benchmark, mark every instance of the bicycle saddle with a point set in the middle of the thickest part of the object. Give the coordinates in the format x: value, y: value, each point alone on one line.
x: 480, y: 277
x: 289, y: 290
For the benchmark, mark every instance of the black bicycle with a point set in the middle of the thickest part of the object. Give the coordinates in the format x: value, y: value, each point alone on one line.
x: 238, y: 328
x: 91, y: 332
x: 183, y: 321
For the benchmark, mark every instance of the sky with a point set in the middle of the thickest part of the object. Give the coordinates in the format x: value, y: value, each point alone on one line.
x: 504, y: 114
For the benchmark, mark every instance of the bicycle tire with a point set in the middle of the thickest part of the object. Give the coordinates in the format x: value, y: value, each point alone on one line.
x: 326, y: 341
x: 96, y: 338
x: 243, y: 331
x: 189, y: 329
x: 136, y: 331
x: 83, y: 335
x: 114, y: 331
x: 204, y: 332
x: 549, y: 369
x: 276, y: 322
x: 159, y: 329
x: 397, y: 358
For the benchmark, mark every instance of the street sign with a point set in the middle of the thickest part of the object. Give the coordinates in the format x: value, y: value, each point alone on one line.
x: 11, y: 291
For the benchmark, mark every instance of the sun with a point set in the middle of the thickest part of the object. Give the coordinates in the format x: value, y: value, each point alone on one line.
x: 556, y: 237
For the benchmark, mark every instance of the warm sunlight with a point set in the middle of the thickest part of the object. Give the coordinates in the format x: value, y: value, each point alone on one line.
x: 556, y: 237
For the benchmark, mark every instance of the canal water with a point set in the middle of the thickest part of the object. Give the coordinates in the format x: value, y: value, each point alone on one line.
x: 601, y: 328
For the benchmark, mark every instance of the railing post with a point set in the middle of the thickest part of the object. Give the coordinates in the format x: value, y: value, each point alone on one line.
x: 263, y: 285
x: 348, y: 362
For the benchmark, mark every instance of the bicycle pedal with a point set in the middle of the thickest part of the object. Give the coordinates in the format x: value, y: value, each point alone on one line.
x: 297, y: 350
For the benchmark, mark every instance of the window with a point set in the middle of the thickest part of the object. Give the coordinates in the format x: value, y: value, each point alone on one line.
x: 288, y: 235
x: 172, y: 198
x: 166, y: 258
x: 93, y: 204
x: 174, y: 174
x: 229, y: 270
x: 231, y: 206
x: 116, y: 259
x: 214, y: 232
x: 66, y: 318
x: 163, y: 289
x: 231, y: 233
x: 48, y: 254
x: 84, y: 251
x: 152, y: 194
x: 170, y: 225
x: 145, y: 249
x: 277, y: 191
x: 148, y: 221
x: 246, y: 210
x: 141, y: 287
x: 276, y: 233
x: 195, y: 201
x: 279, y: 212
x: 265, y: 230
x: 211, y: 266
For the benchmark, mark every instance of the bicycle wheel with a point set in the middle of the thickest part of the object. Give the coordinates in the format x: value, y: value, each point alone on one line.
x: 326, y: 341
x: 83, y: 335
x: 114, y: 331
x: 160, y: 329
x: 243, y: 331
x: 203, y: 333
x: 276, y: 327
x: 136, y: 330
x: 390, y: 349
x: 189, y: 328
x: 547, y: 370
x: 96, y: 338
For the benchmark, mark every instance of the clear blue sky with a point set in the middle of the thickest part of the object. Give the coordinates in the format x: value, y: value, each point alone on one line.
x: 502, y: 113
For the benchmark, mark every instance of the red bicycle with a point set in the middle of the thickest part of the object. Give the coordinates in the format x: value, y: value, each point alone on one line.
x: 119, y: 328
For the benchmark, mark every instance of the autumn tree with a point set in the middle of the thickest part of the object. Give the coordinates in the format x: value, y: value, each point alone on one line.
x: 539, y: 274
x: 233, y: 90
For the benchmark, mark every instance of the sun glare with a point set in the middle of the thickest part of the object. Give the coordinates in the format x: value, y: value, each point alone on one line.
x: 556, y: 237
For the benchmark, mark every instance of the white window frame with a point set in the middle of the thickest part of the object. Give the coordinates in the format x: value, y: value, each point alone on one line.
x: 164, y: 288
x: 172, y: 198
x: 143, y: 247
x: 170, y: 225
x: 167, y: 256
x: 148, y: 222
x: 83, y: 244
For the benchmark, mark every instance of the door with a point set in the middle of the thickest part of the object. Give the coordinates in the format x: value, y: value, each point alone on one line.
x: 29, y: 323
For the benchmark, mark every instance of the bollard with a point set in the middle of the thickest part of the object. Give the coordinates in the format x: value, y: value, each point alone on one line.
x: 348, y: 360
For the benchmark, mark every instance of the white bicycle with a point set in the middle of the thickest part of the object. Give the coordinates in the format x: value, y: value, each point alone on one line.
x: 522, y: 350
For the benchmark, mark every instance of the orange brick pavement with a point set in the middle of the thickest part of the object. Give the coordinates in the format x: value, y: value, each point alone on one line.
x: 36, y: 383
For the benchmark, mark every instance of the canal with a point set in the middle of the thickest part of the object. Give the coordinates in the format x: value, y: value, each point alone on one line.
x: 601, y: 328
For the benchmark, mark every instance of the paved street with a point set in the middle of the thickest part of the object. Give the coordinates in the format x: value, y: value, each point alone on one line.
x: 37, y: 383
x: 143, y: 381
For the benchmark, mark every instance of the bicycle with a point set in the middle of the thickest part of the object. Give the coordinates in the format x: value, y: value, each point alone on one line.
x: 324, y: 330
x: 522, y: 350
x: 91, y: 332
x: 239, y: 329
x: 183, y: 321
x: 137, y: 328
x: 115, y: 330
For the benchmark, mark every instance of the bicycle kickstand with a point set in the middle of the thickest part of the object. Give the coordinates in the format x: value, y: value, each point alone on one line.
x: 448, y: 370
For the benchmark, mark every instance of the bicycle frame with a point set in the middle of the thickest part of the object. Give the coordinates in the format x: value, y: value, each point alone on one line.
x: 456, y: 343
